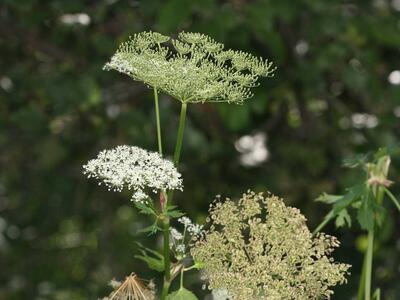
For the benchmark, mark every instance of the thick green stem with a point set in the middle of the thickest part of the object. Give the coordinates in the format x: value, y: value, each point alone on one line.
x: 379, y: 193
x: 360, y: 294
x: 181, y: 129
x: 159, y: 141
x: 166, y: 225
x: 368, y: 264
x: 167, y: 262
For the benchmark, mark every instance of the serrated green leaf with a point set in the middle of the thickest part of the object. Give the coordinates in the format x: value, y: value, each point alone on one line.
x: 182, y: 294
x: 152, y: 263
x: 342, y: 218
x: 370, y: 212
x: 365, y: 215
x: 145, y: 209
x: 353, y: 194
x: 174, y: 213
x: 171, y: 207
x: 328, y: 199
x: 152, y: 229
x: 152, y: 258
x: 357, y: 160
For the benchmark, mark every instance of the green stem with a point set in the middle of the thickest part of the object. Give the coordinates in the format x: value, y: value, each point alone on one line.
x: 393, y: 198
x: 167, y: 262
x: 158, y: 122
x: 178, y: 146
x: 379, y: 193
x: 166, y: 223
x: 377, y: 295
x: 181, y: 281
x: 360, y: 294
x: 326, y: 220
x: 368, y: 264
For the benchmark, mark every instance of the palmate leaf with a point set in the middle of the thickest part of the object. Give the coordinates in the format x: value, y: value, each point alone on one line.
x: 182, y: 294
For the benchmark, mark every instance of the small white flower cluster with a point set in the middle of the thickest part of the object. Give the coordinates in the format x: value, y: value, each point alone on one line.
x: 193, y: 228
x: 176, y: 235
x: 180, y: 241
x: 134, y: 168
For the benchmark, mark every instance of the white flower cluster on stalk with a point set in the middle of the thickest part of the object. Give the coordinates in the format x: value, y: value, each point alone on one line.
x: 197, y: 70
x: 134, y: 168
x: 179, y: 242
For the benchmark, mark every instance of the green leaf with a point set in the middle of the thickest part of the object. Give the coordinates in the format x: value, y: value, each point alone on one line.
x: 354, y: 194
x: 174, y: 213
x: 182, y: 294
x: 152, y: 229
x: 357, y: 160
x: 145, y: 209
x: 343, y: 218
x: 154, y: 259
x: 370, y: 212
x: 365, y: 215
x: 328, y: 199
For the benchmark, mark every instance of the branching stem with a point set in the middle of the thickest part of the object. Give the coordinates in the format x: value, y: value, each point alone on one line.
x: 166, y: 222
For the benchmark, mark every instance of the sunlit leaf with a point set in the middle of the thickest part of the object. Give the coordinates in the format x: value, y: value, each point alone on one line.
x: 182, y: 294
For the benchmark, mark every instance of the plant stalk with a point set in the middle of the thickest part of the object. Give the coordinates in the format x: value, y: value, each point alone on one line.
x: 181, y: 280
x: 368, y: 264
x: 326, y: 220
x: 178, y: 146
x: 166, y: 222
x: 393, y: 198
x: 167, y: 262
x: 360, y: 294
x: 379, y: 193
x: 159, y: 141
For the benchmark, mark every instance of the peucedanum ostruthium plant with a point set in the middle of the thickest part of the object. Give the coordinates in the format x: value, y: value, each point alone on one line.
x: 194, y: 68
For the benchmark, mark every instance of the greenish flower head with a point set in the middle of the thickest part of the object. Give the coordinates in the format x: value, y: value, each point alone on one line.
x: 195, y: 69
x: 258, y: 248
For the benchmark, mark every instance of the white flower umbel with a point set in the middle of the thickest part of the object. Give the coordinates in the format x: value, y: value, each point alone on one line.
x: 134, y: 168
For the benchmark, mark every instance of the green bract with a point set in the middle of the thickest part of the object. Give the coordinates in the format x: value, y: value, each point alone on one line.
x: 197, y: 70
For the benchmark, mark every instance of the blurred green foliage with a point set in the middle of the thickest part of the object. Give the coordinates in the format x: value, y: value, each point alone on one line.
x: 336, y: 93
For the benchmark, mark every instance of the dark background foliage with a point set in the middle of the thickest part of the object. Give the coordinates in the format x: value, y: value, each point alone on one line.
x: 336, y: 93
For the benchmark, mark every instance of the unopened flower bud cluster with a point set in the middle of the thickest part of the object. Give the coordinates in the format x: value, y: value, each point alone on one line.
x: 198, y: 70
